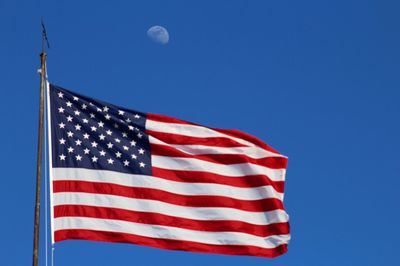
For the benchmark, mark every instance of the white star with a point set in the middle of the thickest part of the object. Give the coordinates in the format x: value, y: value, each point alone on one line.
x: 125, y: 148
x: 139, y: 135
x: 134, y: 156
x: 117, y: 140
x: 85, y: 121
x: 109, y: 132
x: 133, y: 143
x: 94, y: 159
x: 141, y: 151
x: 142, y: 164
x: 77, y: 112
x: 128, y: 120
x: 102, y: 153
x: 92, y: 115
x: 60, y: 95
x: 86, y: 151
x: 78, y: 142
x: 77, y: 127
x: 86, y: 136
x: 62, y: 141
x: 137, y: 116
x: 91, y: 104
x: 69, y: 118
x: 70, y: 134
x: 76, y: 98
x: 110, y: 161
x: 69, y: 104
x: 118, y: 154
x: 62, y: 125
x: 120, y: 112
x: 116, y: 125
x: 105, y: 109
x: 107, y: 117
x: 94, y: 144
x: 99, y: 110
x: 126, y: 163
x: 102, y: 137
x: 124, y: 135
x: 110, y: 145
x: 78, y: 157
x: 130, y: 127
x: 62, y: 157
x: 84, y: 106
x: 93, y: 128
x: 101, y: 124
x: 70, y: 150
x: 61, y: 110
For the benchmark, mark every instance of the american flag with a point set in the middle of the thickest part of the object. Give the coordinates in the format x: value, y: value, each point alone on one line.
x: 119, y: 175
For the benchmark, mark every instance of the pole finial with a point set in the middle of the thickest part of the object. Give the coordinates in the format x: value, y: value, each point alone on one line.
x: 45, y: 41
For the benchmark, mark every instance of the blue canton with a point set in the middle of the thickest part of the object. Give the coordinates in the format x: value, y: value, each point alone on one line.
x: 88, y: 133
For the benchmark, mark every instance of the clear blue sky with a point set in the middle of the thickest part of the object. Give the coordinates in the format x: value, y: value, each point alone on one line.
x: 317, y: 80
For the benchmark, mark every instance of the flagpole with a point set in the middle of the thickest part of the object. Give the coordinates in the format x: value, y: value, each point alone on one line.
x: 39, y: 152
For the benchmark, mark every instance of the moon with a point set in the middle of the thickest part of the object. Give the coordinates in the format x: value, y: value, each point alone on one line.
x: 158, y: 34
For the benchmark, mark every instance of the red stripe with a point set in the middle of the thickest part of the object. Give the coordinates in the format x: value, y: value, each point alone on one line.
x: 167, y: 119
x: 187, y: 140
x: 166, y: 220
x: 270, y: 162
x: 205, y: 177
x: 241, y: 135
x: 164, y: 196
x: 104, y: 236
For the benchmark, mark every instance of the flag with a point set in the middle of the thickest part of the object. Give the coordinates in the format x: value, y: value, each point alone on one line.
x: 119, y: 175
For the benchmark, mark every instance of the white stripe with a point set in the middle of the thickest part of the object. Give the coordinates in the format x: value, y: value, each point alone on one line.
x: 252, y: 152
x: 240, y: 169
x: 193, y: 131
x: 194, y: 213
x: 168, y: 232
x: 182, y: 188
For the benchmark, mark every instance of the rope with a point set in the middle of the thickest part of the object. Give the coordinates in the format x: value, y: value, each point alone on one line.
x: 46, y: 207
x: 48, y: 179
x: 52, y: 255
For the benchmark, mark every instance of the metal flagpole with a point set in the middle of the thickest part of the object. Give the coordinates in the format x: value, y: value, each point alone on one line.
x: 39, y: 153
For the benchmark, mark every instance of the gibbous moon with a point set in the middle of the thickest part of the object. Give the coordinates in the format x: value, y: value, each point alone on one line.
x: 158, y: 34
